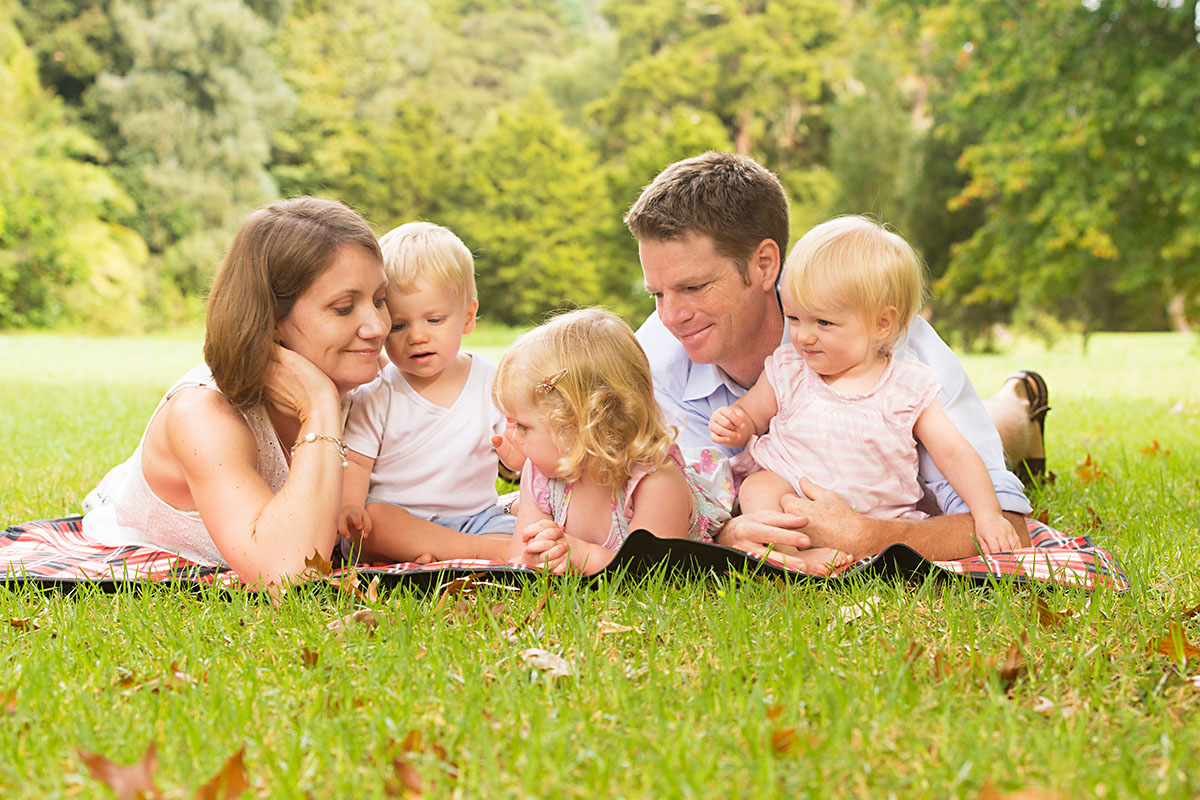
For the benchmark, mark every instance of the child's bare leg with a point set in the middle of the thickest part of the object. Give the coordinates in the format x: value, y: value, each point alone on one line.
x: 762, y: 491
x: 397, y: 535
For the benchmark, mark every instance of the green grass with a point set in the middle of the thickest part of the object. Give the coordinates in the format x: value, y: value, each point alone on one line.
x: 731, y: 687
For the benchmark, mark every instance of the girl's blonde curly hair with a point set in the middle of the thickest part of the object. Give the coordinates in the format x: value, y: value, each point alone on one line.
x: 596, y: 394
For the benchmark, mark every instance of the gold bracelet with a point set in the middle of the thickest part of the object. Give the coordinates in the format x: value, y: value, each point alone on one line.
x: 312, y: 437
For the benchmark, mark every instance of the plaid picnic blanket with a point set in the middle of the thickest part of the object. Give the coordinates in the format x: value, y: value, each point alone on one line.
x: 54, y: 552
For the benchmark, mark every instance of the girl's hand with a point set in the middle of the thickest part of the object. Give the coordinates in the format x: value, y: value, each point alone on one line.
x: 544, y: 544
x: 295, y: 386
x: 996, y: 535
x: 730, y: 425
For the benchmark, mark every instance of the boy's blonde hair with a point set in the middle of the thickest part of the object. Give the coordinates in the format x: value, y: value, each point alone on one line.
x: 418, y: 253
x: 602, y: 408
x: 856, y: 263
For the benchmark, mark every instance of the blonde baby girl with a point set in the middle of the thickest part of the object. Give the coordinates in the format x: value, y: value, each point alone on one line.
x: 599, y: 460
x: 833, y: 405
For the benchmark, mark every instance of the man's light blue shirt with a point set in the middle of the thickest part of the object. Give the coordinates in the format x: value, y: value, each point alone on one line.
x: 689, y: 394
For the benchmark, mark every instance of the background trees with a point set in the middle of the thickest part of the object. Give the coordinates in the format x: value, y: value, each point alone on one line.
x: 1041, y: 155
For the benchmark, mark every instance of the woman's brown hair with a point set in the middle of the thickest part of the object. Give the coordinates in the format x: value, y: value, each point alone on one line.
x: 277, y: 253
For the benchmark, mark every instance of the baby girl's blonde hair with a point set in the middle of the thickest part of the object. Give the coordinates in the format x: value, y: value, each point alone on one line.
x: 587, y: 374
x: 417, y: 253
x: 853, y: 262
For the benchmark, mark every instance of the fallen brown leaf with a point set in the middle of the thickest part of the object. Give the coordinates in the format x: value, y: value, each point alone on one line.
x: 127, y: 782
x: 1155, y: 449
x: 26, y: 624
x: 373, y: 590
x: 1175, y: 645
x: 1013, y: 664
x: 8, y: 702
x: 784, y: 741
x: 613, y: 627
x: 912, y: 653
x: 1094, y: 523
x: 939, y: 669
x: 365, y: 617
x: 1043, y: 705
x: 546, y: 661
x: 407, y: 781
x: 308, y: 657
x: 319, y: 564
x: 773, y: 712
x: 1044, y: 516
x: 1188, y: 613
x: 1048, y: 617
x: 229, y: 783
x: 1088, y: 470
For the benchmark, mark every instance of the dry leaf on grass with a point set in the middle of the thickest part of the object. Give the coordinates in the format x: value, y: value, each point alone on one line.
x: 365, y: 617
x: 1175, y: 645
x: 25, y: 624
x: 612, y: 627
x: 308, y: 657
x: 784, y: 740
x: 1043, y: 705
x: 229, y: 783
x: 8, y: 702
x: 867, y: 605
x: 318, y: 564
x: 406, y: 780
x: 1088, y: 470
x: 1155, y: 449
x: 1013, y: 665
x: 546, y: 661
x: 989, y: 792
x: 127, y: 782
x: 1048, y: 617
x: 175, y: 679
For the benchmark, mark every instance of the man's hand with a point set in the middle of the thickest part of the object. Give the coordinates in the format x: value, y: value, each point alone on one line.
x: 831, y: 522
x: 730, y: 426
x: 759, y: 533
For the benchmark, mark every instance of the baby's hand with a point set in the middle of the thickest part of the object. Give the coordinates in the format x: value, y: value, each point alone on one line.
x: 512, y: 455
x: 996, y: 535
x: 544, y: 544
x: 731, y: 426
x: 354, y: 523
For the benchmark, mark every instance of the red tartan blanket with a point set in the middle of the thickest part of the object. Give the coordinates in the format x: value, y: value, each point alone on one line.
x: 54, y: 552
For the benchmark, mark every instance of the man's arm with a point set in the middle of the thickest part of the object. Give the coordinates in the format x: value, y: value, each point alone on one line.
x: 832, y: 523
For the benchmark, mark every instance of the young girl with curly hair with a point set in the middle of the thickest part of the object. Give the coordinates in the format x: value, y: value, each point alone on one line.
x: 599, y: 460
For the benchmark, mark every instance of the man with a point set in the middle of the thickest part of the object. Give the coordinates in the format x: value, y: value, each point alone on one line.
x: 712, y: 233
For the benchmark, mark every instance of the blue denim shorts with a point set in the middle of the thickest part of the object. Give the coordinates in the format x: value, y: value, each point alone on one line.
x: 490, y: 520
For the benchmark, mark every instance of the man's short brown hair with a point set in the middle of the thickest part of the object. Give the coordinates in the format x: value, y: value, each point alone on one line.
x: 731, y: 199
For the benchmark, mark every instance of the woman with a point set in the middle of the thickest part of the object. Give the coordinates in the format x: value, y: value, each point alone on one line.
x: 242, y: 460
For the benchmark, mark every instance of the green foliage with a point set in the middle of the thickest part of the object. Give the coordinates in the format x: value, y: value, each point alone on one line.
x: 530, y: 203
x: 189, y: 122
x: 1076, y: 124
x: 61, y: 256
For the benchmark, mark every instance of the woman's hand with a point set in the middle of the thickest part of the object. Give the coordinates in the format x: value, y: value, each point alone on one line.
x: 295, y: 386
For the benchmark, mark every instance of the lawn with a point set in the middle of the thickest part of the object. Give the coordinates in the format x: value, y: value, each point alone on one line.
x: 730, y: 687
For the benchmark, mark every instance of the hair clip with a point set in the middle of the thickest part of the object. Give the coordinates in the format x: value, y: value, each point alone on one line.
x: 550, y: 381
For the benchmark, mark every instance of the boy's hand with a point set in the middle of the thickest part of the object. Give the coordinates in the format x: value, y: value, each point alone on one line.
x: 512, y: 455
x: 996, y: 535
x: 354, y: 523
x: 731, y: 426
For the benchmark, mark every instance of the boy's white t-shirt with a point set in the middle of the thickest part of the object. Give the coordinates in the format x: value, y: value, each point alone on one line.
x: 432, y: 461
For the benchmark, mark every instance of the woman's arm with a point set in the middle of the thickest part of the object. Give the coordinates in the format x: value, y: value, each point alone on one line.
x: 262, y: 536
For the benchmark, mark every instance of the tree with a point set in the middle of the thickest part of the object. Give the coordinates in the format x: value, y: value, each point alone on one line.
x: 61, y: 255
x: 189, y: 123
x: 530, y: 204
x: 1076, y: 124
